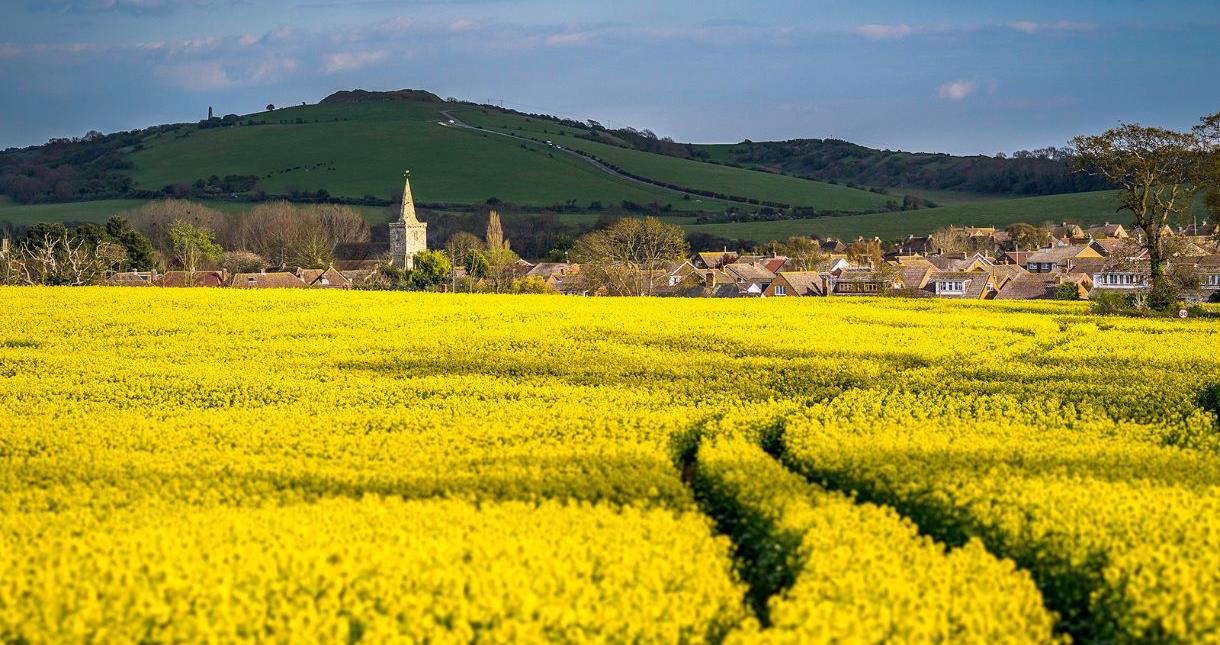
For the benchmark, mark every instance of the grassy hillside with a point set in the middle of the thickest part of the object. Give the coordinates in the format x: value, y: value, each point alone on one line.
x: 683, y: 172
x: 1088, y: 208
x: 361, y: 149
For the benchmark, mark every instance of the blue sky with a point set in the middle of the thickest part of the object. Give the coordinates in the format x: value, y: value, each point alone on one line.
x: 961, y: 76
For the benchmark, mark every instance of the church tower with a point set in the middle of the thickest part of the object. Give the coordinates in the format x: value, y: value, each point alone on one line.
x: 408, y: 235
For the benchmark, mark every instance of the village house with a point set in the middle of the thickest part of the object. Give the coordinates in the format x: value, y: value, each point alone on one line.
x: 264, y: 280
x: 189, y: 279
x: 1107, y: 230
x: 962, y: 285
x: 922, y: 245
x: 1066, y: 232
x: 132, y: 279
x: 796, y: 284
x: 833, y: 246
x: 1018, y: 258
x: 1056, y: 258
x: 328, y: 278
x: 1040, y: 286
x: 750, y: 278
x: 862, y: 282
x: 1209, y: 273
x: 714, y: 259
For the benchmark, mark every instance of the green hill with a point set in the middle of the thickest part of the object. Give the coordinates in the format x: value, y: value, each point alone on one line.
x: 672, y: 170
x: 355, y: 150
x: 1084, y: 208
x: 355, y: 145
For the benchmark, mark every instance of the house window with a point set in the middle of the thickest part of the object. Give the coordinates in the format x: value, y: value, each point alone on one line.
x: 781, y: 291
x: 1213, y: 280
x: 951, y: 287
x: 250, y: 280
x: 325, y: 282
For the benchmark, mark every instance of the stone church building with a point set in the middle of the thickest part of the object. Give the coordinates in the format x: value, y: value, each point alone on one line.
x: 408, y: 235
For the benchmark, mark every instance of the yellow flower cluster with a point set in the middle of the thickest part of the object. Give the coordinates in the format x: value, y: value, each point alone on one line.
x: 858, y: 572
x: 377, y: 568
x: 196, y: 465
x: 1118, y: 530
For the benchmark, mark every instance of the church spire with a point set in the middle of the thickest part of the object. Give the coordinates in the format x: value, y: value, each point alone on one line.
x: 408, y: 203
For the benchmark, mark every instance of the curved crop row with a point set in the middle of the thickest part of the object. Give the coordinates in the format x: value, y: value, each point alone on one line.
x: 841, y: 571
x: 1118, y: 531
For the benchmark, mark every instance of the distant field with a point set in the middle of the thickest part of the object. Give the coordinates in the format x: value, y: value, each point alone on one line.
x: 361, y: 149
x: 681, y: 172
x: 1087, y: 208
x: 98, y: 212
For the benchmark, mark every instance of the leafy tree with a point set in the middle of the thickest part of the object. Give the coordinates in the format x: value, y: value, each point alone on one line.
x: 869, y: 251
x: 139, y: 248
x: 1068, y: 291
x: 532, y: 284
x: 432, y: 269
x: 500, y: 263
x: 495, y: 233
x: 270, y: 107
x: 561, y: 248
x: 192, y: 246
x: 1158, y: 172
x: 476, y: 264
x: 1028, y: 237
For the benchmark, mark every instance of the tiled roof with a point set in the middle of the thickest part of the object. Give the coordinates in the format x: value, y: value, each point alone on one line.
x: 803, y: 283
x: 267, y: 281
x: 183, y: 279
x: 1056, y: 254
x: 748, y: 272
x: 1028, y: 287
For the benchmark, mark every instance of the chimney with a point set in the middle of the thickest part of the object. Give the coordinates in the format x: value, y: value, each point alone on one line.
x: 4, y: 246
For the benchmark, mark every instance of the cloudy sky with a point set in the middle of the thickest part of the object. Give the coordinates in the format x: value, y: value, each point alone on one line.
x: 963, y: 76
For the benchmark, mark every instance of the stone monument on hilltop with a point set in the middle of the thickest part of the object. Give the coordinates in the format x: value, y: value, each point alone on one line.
x: 408, y: 235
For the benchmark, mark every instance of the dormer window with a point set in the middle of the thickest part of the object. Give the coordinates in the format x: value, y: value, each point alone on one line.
x: 951, y: 287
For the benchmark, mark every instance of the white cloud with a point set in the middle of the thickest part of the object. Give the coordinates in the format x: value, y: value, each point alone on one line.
x: 1031, y: 27
x: 884, y: 32
x: 569, y: 39
x: 195, y: 77
x: 957, y: 90
x: 351, y: 61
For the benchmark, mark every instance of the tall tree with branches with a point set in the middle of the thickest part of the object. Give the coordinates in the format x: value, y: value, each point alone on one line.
x: 1158, y: 173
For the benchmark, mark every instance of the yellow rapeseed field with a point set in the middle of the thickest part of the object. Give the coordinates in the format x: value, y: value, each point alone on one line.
x: 306, y: 466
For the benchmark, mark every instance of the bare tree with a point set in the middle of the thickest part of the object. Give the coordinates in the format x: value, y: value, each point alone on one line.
x: 803, y: 253
x: 269, y: 230
x: 60, y: 258
x: 460, y: 244
x: 1158, y: 172
x: 631, y: 256
x: 951, y: 239
x: 154, y: 220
